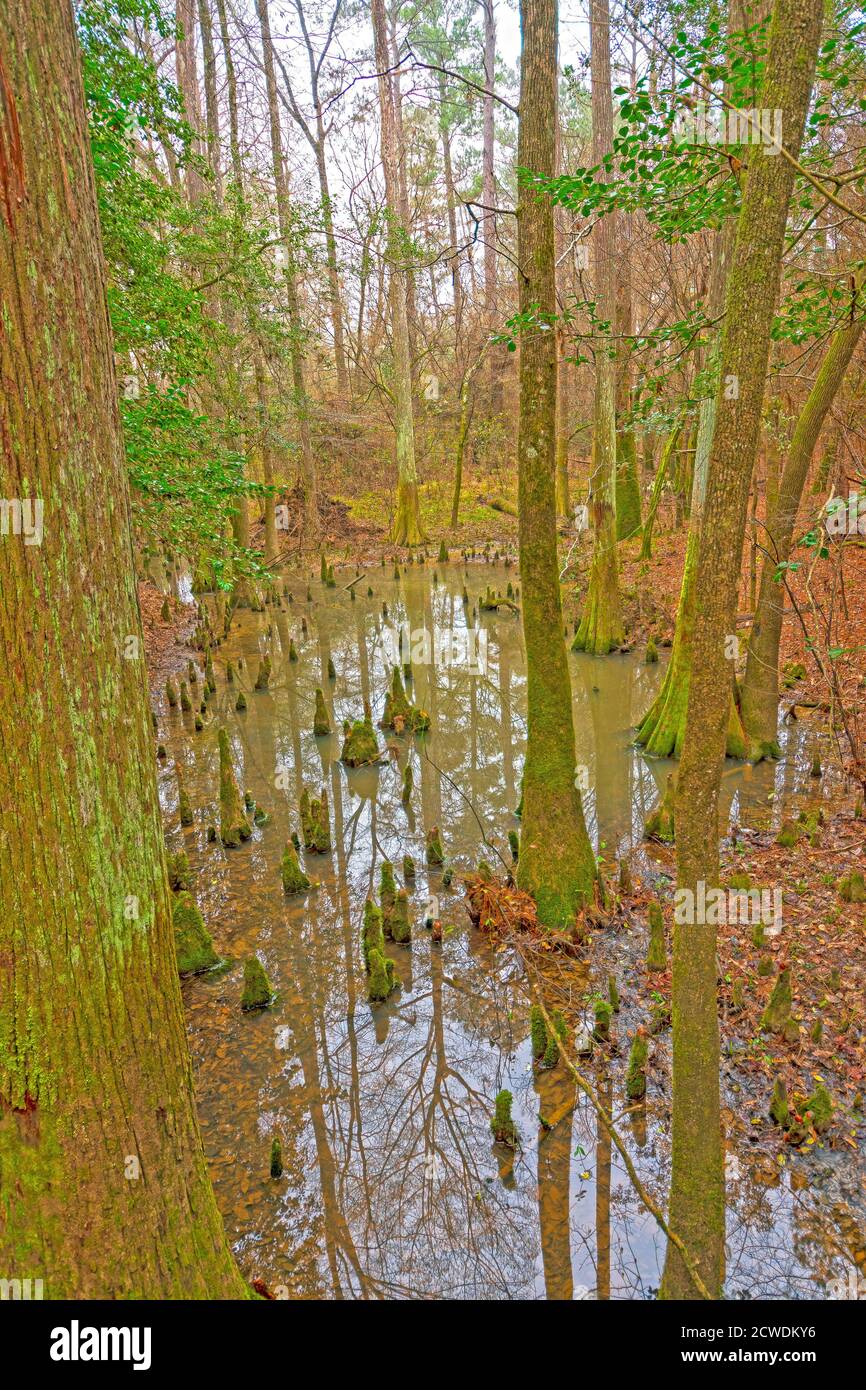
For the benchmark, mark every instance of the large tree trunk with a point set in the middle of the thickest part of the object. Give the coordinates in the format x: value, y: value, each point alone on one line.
x: 601, y: 626
x: 697, y: 1201
x: 663, y: 727
x: 760, y: 690
x: 556, y: 861
x: 407, y: 523
x: 284, y: 218
x: 104, y: 1188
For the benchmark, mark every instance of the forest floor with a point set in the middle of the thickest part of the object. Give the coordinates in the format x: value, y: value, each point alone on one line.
x: 823, y: 941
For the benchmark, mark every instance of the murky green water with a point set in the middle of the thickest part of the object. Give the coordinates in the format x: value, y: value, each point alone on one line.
x: 392, y: 1186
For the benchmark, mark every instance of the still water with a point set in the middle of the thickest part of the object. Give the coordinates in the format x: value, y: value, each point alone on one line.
x: 392, y: 1186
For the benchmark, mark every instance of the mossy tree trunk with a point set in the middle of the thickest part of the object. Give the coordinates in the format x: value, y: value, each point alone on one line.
x: 466, y: 405
x: 407, y: 521
x: 697, y: 1202
x: 628, y: 500
x: 601, y: 625
x: 760, y: 690
x: 104, y: 1188
x: 662, y: 729
x: 556, y: 860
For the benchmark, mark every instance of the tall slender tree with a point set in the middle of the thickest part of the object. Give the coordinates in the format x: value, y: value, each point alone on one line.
x: 759, y: 696
x: 104, y: 1188
x: 287, y: 236
x: 556, y: 864
x: 601, y: 625
x: 407, y: 521
x: 697, y: 1176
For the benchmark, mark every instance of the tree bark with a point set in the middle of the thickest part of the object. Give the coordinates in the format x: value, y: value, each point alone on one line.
x: 104, y: 1187
x: 759, y: 696
x: 187, y: 83
x: 697, y: 1200
x: 601, y: 626
x: 296, y: 329
x: 556, y: 862
x: 407, y: 522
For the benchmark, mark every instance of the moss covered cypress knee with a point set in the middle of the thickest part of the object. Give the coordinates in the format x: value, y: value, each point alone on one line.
x: 192, y: 942
x: 435, y: 854
x: 276, y: 1158
x: 788, y: 835
x: 234, y: 826
x: 171, y: 693
x: 400, y: 707
x: 603, y: 1012
x: 779, y: 1103
x: 185, y: 701
x: 778, y: 1010
x: 321, y: 722
x: 381, y: 978
x: 401, y: 927
x: 852, y: 888
x: 819, y: 1107
x: 408, y: 866
x: 407, y: 784
x: 293, y: 877
x: 264, y: 674
x: 257, y: 992
x: 179, y: 872
x: 323, y: 823
x: 184, y: 804
x: 360, y: 744
x: 372, y: 933
x: 635, y: 1077
x: 660, y: 824
x: 503, y: 1126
